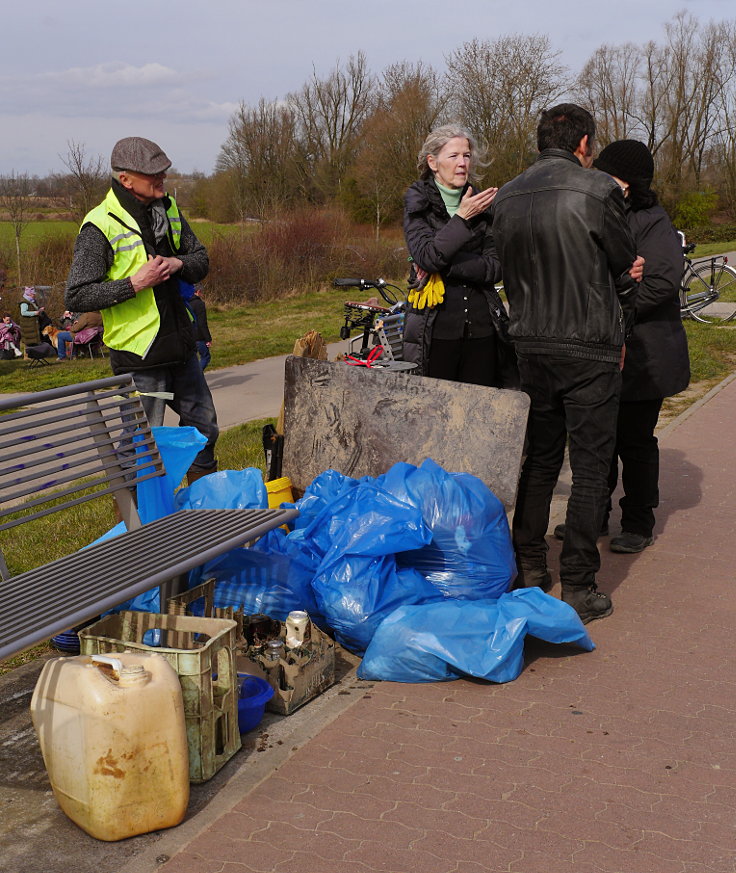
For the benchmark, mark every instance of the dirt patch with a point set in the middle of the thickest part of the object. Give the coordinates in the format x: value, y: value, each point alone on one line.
x: 673, y: 406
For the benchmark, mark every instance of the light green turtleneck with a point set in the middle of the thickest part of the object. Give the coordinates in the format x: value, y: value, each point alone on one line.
x: 450, y: 196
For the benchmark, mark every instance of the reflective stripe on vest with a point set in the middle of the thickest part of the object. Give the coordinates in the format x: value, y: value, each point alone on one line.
x: 132, y: 325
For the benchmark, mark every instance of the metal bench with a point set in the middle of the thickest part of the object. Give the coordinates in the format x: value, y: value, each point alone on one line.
x: 63, y: 447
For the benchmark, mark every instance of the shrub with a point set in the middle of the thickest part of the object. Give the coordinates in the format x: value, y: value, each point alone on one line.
x: 710, y: 233
x: 295, y: 253
x: 695, y: 208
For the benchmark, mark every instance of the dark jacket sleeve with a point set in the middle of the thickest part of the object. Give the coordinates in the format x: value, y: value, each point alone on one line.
x: 192, y: 254
x: 617, y: 242
x: 87, y: 286
x: 657, y: 242
x: 477, y: 268
x: 201, y: 328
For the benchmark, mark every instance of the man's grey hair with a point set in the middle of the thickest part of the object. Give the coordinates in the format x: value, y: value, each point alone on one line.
x: 439, y: 138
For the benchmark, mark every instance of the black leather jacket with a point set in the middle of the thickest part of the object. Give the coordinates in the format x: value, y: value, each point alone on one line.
x: 565, y: 248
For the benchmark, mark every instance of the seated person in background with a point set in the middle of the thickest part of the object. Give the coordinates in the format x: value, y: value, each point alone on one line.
x: 33, y: 318
x: 9, y: 338
x: 82, y: 329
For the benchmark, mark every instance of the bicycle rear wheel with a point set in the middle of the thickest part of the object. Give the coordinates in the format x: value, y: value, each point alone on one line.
x: 709, y: 294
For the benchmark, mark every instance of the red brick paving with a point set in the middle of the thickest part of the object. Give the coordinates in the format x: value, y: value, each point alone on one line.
x: 621, y: 760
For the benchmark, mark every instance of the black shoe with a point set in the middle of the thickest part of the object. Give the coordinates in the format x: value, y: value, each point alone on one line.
x: 560, y: 531
x: 533, y: 577
x: 589, y: 603
x: 630, y: 543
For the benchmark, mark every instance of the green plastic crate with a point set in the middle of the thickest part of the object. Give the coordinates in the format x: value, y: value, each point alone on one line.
x: 201, y: 650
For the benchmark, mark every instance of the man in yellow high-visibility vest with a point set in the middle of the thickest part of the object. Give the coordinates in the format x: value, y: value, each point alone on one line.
x: 135, y: 260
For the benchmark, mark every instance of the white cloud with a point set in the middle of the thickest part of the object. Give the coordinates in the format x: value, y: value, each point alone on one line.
x: 114, y: 75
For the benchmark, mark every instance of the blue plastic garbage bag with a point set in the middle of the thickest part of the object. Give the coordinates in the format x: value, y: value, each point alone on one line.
x: 179, y: 446
x: 357, y: 582
x: 258, y: 582
x: 470, y: 555
x: 484, y: 638
x: 357, y: 593
x: 319, y: 494
x: 225, y: 489
x: 366, y: 520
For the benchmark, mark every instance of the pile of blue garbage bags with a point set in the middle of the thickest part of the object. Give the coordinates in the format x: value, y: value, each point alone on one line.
x: 411, y: 569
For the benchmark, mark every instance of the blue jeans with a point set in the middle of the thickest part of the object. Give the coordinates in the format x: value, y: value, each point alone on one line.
x: 62, y: 338
x: 573, y: 400
x: 203, y: 350
x: 192, y: 402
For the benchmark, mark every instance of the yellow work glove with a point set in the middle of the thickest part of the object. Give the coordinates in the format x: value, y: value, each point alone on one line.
x: 435, y: 289
x: 418, y: 298
x: 430, y: 294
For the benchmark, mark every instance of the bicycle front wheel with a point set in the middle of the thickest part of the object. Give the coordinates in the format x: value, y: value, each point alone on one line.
x: 709, y: 294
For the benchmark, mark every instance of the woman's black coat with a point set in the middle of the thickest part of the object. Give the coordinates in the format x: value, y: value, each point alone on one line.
x: 461, y: 251
x: 657, y: 362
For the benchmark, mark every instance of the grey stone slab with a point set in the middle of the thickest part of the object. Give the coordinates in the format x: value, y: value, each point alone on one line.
x: 361, y: 422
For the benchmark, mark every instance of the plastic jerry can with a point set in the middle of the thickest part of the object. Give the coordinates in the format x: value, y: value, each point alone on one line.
x: 113, y: 738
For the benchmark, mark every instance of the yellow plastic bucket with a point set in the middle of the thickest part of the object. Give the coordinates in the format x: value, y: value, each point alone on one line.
x: 279, y: 491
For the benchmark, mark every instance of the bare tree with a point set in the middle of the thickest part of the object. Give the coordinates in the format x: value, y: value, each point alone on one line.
x: 411, y: 101
x: 262, y: 155
x: 331, y: 112
x: 609, y: 84
x: 87, y: 179
x: 16, y: 199
x: 498, y: 90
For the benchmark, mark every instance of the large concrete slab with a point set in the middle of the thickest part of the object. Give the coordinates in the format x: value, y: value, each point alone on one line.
x: 361, y: 422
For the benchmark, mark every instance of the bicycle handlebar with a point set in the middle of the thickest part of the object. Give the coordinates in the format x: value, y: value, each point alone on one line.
x: 381, y: 285
x: 357, y: 283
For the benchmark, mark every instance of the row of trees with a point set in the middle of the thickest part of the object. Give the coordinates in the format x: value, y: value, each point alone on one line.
x: 353, y: 137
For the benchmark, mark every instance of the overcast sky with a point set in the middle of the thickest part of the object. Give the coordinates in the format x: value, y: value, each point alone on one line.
x: 175, y: 72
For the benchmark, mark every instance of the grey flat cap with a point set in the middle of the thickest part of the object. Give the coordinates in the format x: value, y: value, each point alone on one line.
x: 139, y: 155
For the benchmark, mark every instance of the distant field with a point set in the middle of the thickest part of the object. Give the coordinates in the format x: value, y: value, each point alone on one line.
x: 35, y: 231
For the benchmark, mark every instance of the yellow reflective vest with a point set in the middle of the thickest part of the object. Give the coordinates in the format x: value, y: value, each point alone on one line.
x: 133, y: 324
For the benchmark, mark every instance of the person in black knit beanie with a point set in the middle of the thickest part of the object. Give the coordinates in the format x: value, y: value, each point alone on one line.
x: 656, y: 364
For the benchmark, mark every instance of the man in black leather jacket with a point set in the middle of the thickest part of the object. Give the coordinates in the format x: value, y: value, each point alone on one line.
x: 570, y: 273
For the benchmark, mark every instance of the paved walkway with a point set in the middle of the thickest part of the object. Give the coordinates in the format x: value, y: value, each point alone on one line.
x: 622, y: 760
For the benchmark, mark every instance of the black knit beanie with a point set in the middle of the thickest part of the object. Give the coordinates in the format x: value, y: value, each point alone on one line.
x: 628, y: 160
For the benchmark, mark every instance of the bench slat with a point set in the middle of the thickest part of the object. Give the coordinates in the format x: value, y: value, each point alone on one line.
x: 71, y: 590
x: 56, y: 445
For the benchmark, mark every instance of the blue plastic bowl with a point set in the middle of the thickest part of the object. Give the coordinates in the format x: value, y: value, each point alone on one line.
x: 254, y: 695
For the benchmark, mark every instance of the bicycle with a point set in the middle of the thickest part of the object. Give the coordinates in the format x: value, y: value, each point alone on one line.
x: 707, y: 288
x: 382, y: 327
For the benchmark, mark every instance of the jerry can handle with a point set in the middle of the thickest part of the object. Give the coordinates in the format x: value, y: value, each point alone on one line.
x: 115, y: 663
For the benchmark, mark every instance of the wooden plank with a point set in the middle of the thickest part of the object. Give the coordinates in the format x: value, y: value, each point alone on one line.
x: 361, y: 422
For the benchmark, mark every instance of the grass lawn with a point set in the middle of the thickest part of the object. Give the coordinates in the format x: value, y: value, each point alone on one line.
x: 239, y: 336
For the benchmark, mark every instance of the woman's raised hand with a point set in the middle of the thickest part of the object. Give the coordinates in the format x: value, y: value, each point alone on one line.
x: 473, y: 204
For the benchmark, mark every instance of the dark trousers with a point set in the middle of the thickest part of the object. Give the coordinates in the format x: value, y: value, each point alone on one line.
x: 464, y: 360
x: 576, y: 401
x: 191, y: 401
x: 638, y: 450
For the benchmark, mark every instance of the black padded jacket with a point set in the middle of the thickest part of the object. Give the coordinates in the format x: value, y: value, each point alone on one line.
x: 657, y: 362
x: 462, y: 253
x: 565, y: 248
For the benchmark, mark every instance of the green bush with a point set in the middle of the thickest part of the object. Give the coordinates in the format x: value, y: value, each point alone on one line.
x: 695, y: 208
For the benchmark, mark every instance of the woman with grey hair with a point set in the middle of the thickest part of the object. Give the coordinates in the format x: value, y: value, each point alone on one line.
x: 452, y: 328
